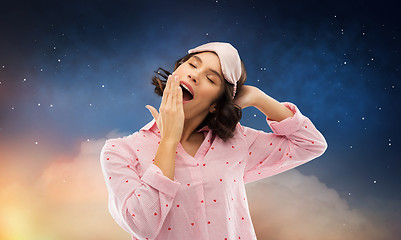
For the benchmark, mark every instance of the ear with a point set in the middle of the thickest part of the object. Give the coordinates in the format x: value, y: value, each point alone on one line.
x: 213, y: 107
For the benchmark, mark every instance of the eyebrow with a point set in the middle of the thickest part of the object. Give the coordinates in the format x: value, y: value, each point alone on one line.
x: 212, y: 70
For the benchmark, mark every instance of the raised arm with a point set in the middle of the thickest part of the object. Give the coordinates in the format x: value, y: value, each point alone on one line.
x: 293, y: 142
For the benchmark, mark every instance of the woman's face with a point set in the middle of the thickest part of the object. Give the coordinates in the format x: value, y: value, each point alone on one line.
x: 203, y: 73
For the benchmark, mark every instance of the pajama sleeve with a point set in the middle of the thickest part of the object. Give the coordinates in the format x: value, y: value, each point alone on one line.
x: 293, y: 142
x: 139, y: 204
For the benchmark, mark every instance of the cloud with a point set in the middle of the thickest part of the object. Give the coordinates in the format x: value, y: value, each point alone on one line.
x: 69, y: 201
x: 76, y: 193
x: 67, y: 180
x: 294, y: 206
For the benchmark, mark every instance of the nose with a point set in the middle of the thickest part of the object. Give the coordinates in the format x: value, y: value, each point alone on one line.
x: 193, y: 79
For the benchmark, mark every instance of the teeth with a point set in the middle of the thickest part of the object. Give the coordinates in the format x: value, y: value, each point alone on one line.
x: 186, y: 88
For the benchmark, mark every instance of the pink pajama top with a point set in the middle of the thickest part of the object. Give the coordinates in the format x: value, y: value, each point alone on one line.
x: 207, y: 198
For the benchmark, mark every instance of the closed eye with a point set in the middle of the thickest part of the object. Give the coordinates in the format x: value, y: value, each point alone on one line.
x: 195, y: 67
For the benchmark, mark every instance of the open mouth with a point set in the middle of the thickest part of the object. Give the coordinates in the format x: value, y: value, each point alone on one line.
x: 186, y: 94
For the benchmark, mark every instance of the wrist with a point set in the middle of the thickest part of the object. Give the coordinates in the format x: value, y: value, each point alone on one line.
x: 256, y: 98
x: 170, y: 142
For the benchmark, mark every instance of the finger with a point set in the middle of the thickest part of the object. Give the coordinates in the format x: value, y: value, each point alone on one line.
x: 170, y: 91
x: 156, y: 116
x: 175, y: 94
x: 153, y: 111
x: 179, y: 97
x: 165, y: 91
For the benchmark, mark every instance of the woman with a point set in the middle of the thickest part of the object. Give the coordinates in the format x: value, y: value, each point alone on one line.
x: 183, y: 175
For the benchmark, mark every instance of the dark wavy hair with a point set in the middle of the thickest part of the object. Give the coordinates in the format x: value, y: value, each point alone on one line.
x: 227, y: 114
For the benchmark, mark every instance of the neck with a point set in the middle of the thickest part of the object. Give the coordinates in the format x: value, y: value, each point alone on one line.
x: 189, y: 132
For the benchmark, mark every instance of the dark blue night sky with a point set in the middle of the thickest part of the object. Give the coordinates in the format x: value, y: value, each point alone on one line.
x: 77, y: 70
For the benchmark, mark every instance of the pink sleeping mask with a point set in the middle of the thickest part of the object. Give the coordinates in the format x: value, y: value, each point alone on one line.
x: 229, y: 60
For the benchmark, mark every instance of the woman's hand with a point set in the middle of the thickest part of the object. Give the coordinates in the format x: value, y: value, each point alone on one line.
x: 170, y: 121
x: 247, y: 96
